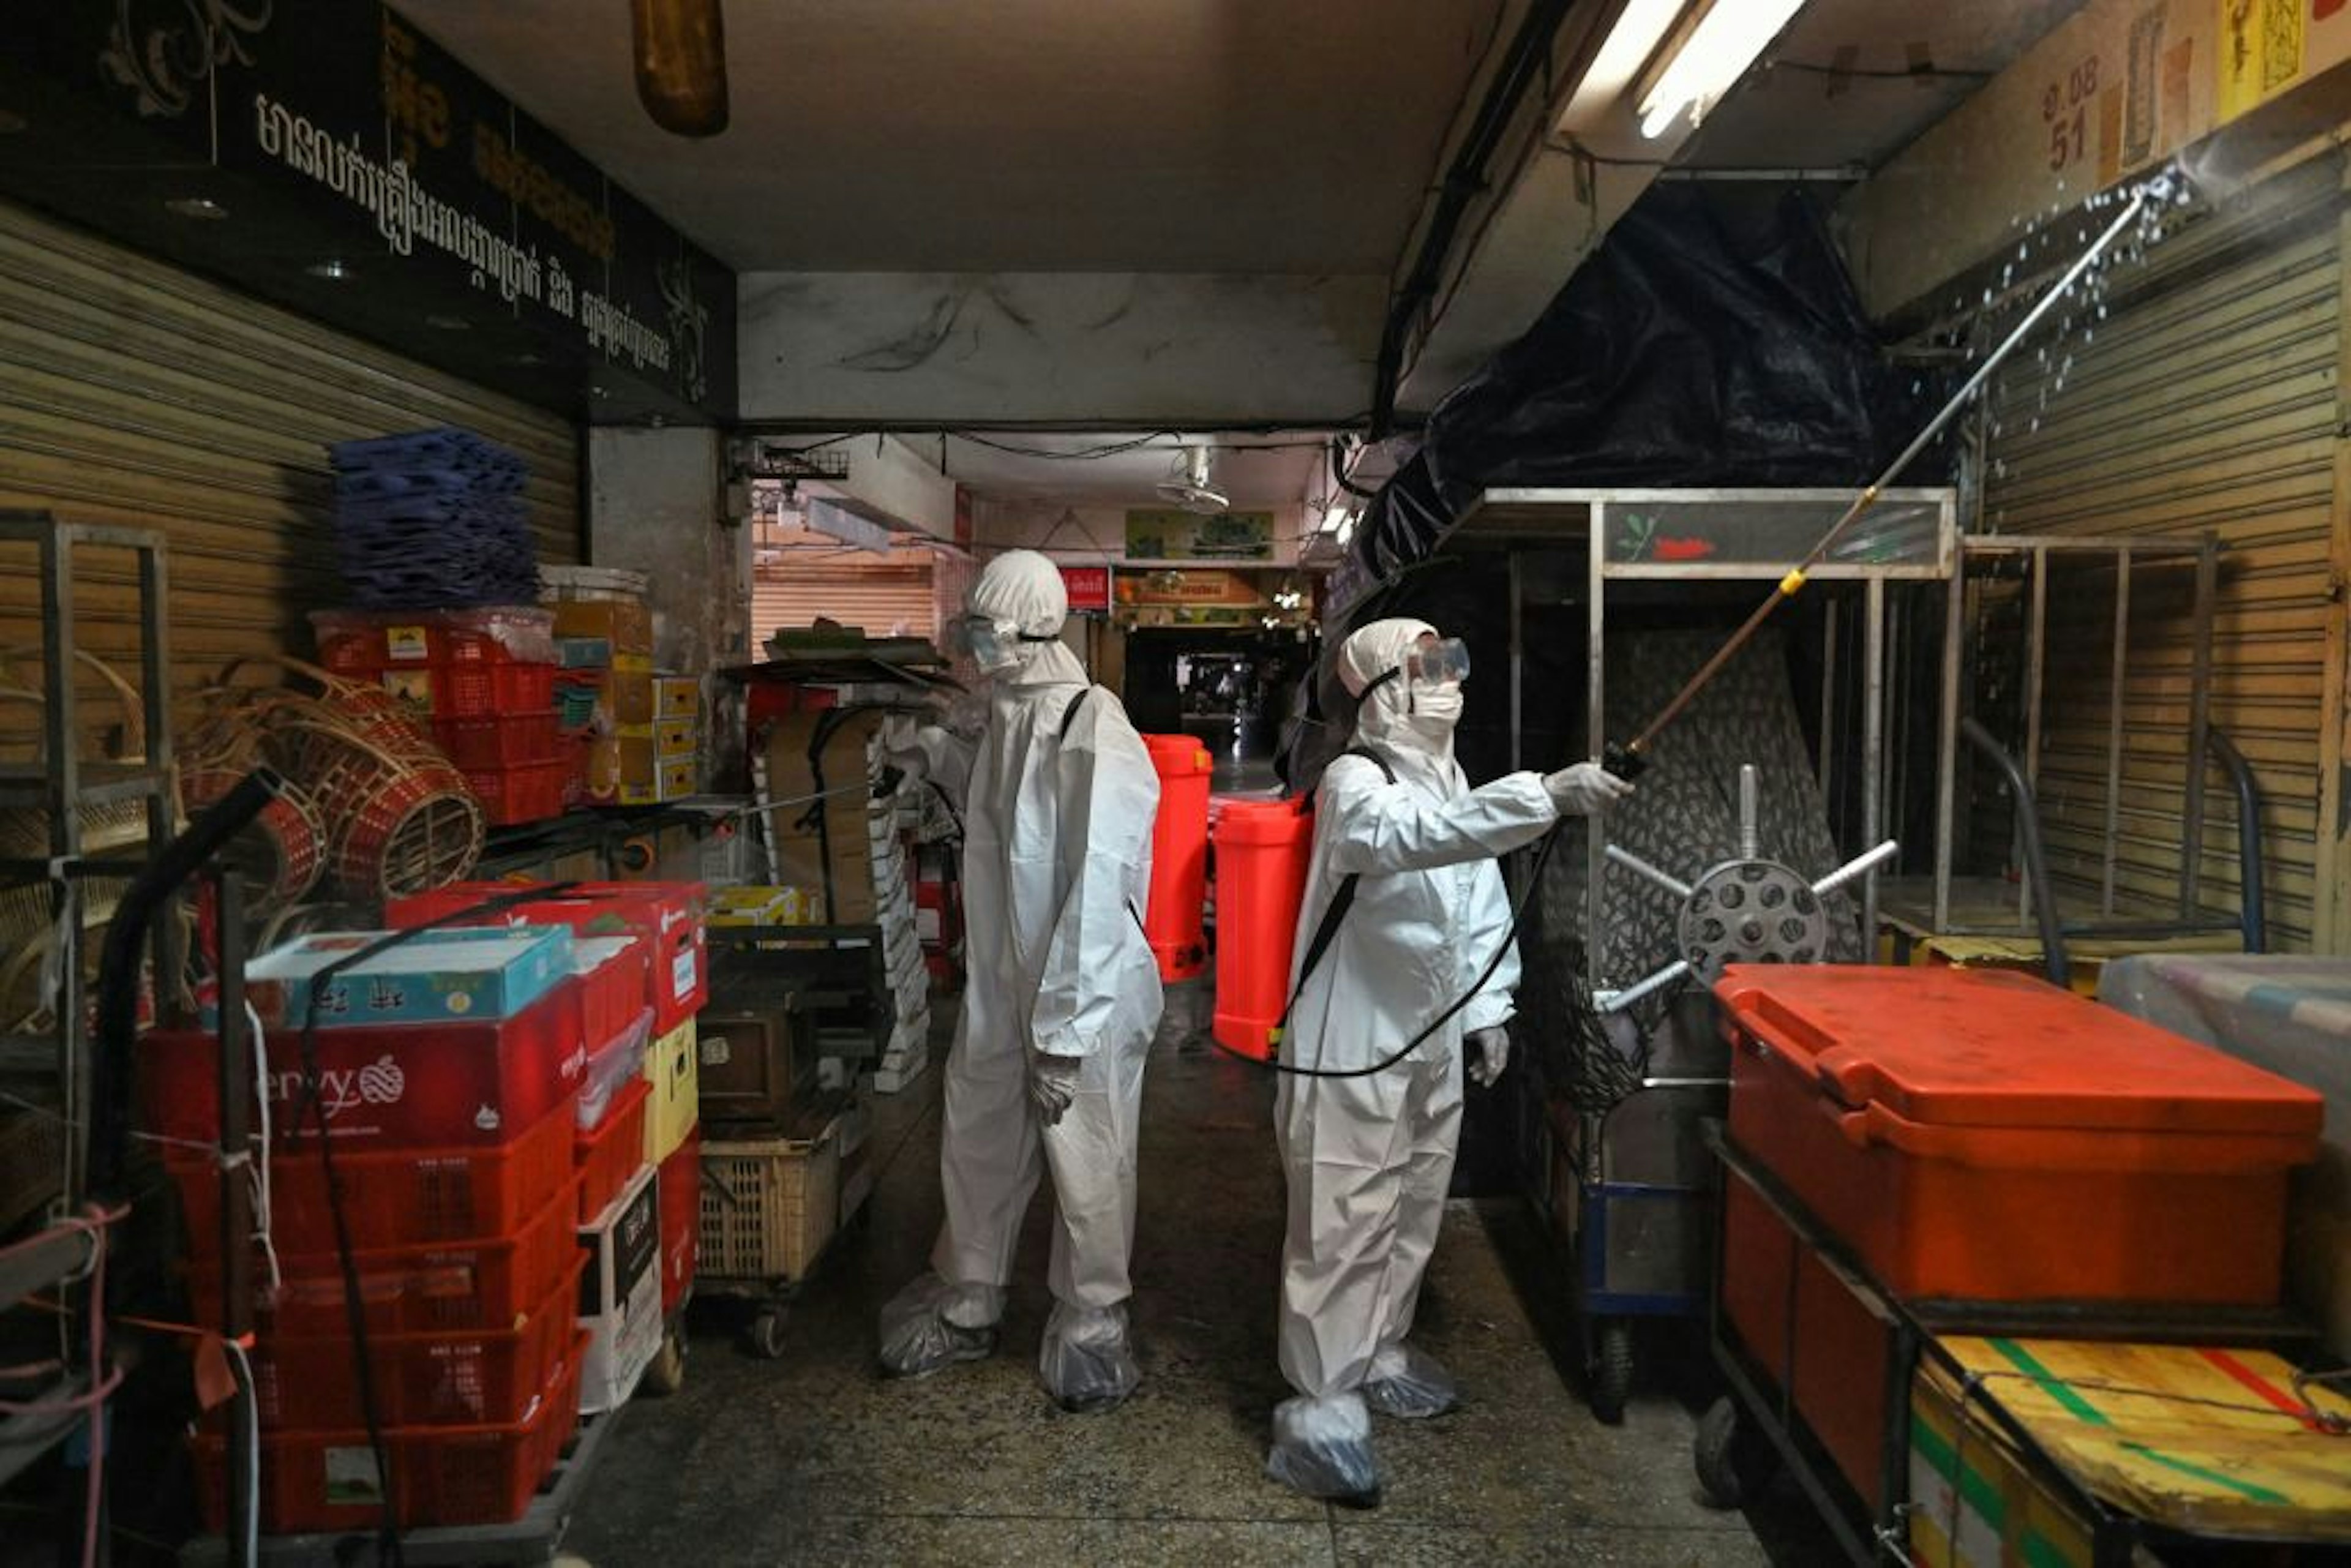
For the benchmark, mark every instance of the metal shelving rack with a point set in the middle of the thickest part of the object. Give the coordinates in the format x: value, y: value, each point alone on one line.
x: 61, y: 783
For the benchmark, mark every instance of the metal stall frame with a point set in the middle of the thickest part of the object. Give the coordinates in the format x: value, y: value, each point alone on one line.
x: 1979, y: 553
x: 1569, y: 517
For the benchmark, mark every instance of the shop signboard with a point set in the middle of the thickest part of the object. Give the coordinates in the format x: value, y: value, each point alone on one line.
x: 1168, y: 534
x: 357, y: 172
x: 1088, y: 588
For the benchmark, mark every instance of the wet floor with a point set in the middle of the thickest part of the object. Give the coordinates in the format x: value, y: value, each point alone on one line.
x: 812, y: 1458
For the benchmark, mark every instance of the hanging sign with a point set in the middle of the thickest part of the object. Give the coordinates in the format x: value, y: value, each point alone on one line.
x: 1167, y: 533
x: 1088, y: 588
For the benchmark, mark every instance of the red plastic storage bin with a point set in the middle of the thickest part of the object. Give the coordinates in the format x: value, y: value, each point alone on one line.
x: 612, y: 993
x: 488, y: 744
x: 441, y: 1287
x: 1261, y: 854
x: 1977, y: 1134
x: 668, y: 914
x: 396, y: 1197
x: 1171, y: 919
x: 484, y: 1377
x: 418, y: 1085
x: 441, y: 1476
x: 609, y: 1154
x: 681, y: 1219
x: 492, y: 690
x: 510, y: 796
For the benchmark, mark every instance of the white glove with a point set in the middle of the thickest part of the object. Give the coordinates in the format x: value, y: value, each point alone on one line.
x: 1585, y: 790
x: 1490, y: 1053
x: 1052, y: 1085
x: 902, y: 748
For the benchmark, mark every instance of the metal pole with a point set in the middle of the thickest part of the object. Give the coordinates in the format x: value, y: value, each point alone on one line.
x: 2036, y: 664
x: 236, y: 1100
x: 2118, y: 681
x: 1518, y: 659
x: 1827, y: 765
x: 2199, y: 728
x: 1873, y: 749
x: 1947, y: 752
x: 1595, y: 731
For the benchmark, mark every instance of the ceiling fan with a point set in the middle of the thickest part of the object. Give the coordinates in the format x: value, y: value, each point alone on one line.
x: 1189, y: 482
x: 680, y: 47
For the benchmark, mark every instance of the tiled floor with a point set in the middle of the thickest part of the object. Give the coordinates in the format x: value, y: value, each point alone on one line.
x: 814, y: 1458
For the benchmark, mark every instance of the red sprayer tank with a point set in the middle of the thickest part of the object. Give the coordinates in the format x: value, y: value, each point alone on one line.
x: 1262, y: 847
x: 1172, y: 920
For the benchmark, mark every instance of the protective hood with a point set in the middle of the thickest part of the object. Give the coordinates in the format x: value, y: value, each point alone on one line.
x: 1025, y: 588
x: 1385, y: 715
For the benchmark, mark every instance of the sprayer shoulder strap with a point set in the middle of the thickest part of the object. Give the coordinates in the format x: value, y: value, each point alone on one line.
x: 1342, y: 898
x: 1069, y: 713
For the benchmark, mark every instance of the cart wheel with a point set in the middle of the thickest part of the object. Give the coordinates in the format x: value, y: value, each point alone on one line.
x: 768, y: 1332
x: 1731, y: 1463
x: 1612, y: 1371
x: 665, y: 1375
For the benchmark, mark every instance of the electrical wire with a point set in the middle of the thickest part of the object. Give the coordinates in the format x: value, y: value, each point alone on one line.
x: 1884, y: 73
x: 244, y: 1368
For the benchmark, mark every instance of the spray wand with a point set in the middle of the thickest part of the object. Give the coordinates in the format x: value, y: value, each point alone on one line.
x: 1630, y: 760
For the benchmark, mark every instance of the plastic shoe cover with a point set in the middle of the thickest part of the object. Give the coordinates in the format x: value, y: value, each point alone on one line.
x: 1087, y: 1359
x: 932, y: 1324
x: 1324, y: 1447
x: 1405, y: 1382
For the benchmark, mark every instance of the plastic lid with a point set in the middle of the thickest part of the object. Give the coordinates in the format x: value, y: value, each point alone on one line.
x: 1177, y: 753
x: 1263, y: 823
x: 1989, y: 1047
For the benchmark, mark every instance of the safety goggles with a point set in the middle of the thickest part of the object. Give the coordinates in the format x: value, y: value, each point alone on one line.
x: 993, y: 645
x: 1429, y: 665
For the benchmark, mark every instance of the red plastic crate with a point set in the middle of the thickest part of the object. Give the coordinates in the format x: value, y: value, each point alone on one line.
x: 492, y: 690
x: 441, y: 1476
x: 486, y: 1377
x: 438, y: 1288
x: 612, y: 993
x: 611, y: 1153
x: 389, y: 1085
x: 668, y: 914
x: 396, y: 1197
x: 530, y: 792
x: 489, y: 744
x: 681, y: 1219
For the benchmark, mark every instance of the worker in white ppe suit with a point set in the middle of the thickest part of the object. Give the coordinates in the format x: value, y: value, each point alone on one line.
x: 1368, y: 1159
x: 1058, y: 795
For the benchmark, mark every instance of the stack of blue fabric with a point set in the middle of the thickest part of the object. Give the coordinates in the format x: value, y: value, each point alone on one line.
x: 432, y: 520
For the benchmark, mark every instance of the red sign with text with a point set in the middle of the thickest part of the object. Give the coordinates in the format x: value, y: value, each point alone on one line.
x: 1088, y: 587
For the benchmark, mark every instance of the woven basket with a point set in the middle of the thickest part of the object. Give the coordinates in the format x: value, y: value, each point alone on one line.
x: 395, y: 817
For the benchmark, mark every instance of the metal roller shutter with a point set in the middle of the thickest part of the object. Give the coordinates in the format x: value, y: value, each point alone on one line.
x: 2206, y: 398
x: 798, y: 575
x: 136, y: 394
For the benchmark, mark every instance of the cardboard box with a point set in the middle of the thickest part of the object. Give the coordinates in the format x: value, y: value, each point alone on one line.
x: 672, y: 1066
x: 667, y: 915
x: 676, y: 696
x: 747, y: 906
x: 680, y: 777
x: 834, y: 862
x: 446, y: 976
x: 745, y: 1071
x: 625, y: 623
x: 677, y: 736
x: 620, y: 1294
x: 681, y: 1223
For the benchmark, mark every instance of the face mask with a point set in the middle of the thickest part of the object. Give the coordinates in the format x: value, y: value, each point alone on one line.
x: 1434, y: 712
x: 993, y: 645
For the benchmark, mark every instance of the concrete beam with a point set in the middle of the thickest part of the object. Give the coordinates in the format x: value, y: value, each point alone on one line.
x: 1138, y: 351
x: 655, y: 505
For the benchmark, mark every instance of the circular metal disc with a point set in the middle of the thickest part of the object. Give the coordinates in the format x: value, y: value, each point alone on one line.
x: 1751, y: 912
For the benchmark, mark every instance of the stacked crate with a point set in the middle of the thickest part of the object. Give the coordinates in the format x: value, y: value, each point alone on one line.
x: 609, y: 695
x: 486, y: 681
x: 909, y: 977
x: 452, y: 1124
x: 637, y: 1155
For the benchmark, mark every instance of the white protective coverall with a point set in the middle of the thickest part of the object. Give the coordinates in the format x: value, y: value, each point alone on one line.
x: 1368, y: 1160
x: 1056, y: 868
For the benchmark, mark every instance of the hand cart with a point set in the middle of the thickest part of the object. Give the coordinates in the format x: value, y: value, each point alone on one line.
x: 1842, y: 1424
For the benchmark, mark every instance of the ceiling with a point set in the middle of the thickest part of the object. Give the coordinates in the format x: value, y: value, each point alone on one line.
x: 1242, y: 136
x: 1254, y: 471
